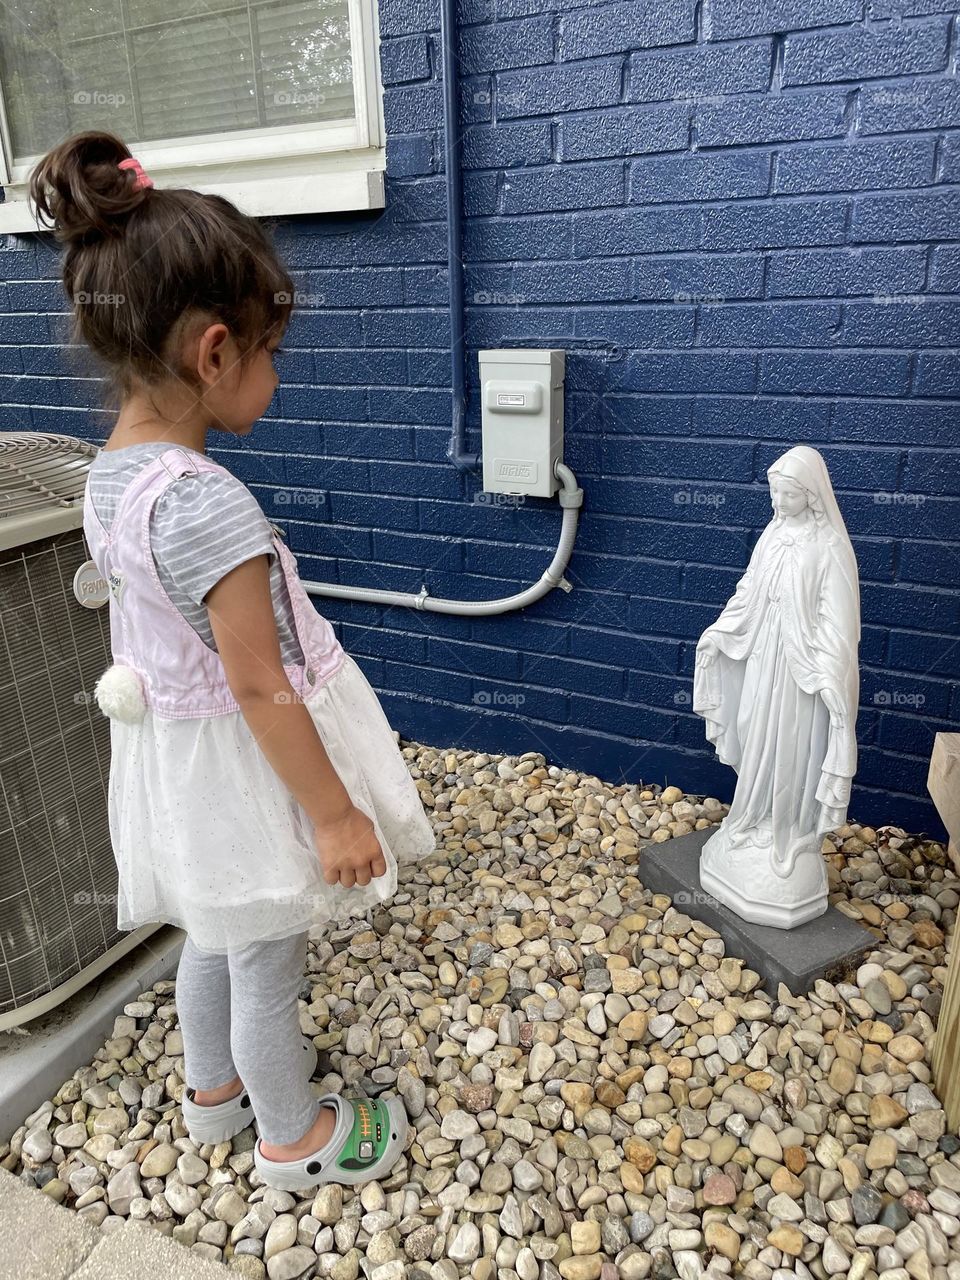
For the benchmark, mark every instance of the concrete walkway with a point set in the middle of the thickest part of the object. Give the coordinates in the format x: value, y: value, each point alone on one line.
x: 41, y: 1240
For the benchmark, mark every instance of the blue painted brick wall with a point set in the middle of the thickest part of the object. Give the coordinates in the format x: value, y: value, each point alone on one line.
x: 741, y: 220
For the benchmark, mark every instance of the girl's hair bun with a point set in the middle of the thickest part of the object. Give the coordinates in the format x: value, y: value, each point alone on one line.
x: 80, y: 191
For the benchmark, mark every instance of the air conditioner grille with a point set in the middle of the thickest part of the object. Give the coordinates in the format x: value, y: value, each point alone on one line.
x: 41, y: 469
x: 58, y: 876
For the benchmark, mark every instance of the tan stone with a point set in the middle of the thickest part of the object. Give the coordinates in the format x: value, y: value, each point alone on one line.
x: 610, y: 1095
x: 640, y: 1153
x: 906, y: 1048
x: 784, y: 1182
x: 585, y: 1236
x: 847, y: 1047
x: 722, y: 1149
x: 724, y: 1023
x: 627, y: 982
x: 886, y: 1112
x: 787, y: 1239
x: 764, y: 1142
x: 894, y: 984
x: 578, y: 1097
x: 581, y: 1268
x: 722, y: 1238
x: 927, y: 934
x: 626, y: 1078
x: 795, y: 1158
x: 507, y: 935
x: 673, y: 1141
x: 631, y: 1178
x: 918, y: 1265
x: 634, y: 1025
x: 760, y: 1081
x: 881, y: 1153
x: 875, y: 1032
x: 843, y: 1076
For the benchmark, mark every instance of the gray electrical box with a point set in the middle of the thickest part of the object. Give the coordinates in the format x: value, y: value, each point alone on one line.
x: 521, y: 393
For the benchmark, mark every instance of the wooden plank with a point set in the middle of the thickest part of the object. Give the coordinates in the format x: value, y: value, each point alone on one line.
x: 943, y: 783
x: 946, y: 1042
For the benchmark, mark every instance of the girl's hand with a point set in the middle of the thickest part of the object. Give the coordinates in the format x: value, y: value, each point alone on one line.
x: 240, y: 608
x: 349, y: 850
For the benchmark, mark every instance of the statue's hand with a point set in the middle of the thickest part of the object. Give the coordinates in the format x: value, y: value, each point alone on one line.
x: 706, y: 652
x: 833, y: 704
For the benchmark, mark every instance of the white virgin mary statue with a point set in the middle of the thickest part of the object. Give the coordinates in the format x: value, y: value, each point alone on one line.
x: 777, y: 683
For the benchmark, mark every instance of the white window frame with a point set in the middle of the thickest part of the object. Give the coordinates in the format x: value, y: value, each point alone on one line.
x: 308, y: 168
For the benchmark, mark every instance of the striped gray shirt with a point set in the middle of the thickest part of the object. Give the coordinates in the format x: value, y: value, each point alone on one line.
x: 201, y: 527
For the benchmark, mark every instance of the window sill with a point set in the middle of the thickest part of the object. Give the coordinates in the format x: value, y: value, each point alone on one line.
x: 342, y: 181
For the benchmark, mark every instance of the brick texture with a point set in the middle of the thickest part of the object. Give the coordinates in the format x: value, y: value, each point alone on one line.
x: 741, y: 220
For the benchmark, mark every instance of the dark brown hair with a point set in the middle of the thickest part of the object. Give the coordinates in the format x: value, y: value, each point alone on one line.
x: 141, y: 262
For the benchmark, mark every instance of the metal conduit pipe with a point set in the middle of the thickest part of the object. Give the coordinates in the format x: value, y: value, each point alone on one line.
x: 571, y: 499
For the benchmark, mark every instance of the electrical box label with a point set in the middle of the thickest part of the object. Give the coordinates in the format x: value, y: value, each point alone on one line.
x: 512, y: 469
x: 511, y: 400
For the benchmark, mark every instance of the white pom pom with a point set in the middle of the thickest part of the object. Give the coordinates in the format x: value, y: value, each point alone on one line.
x: 119, y: 694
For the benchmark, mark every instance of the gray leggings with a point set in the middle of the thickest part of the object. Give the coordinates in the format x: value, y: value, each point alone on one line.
x: 238, y: 1014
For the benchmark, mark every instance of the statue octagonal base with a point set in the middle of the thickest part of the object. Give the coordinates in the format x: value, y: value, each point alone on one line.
x: 741, y: 876
x: 826, y: 947
x: 765, y: 913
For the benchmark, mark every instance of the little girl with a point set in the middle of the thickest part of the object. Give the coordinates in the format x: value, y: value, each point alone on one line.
x: 256, y: 788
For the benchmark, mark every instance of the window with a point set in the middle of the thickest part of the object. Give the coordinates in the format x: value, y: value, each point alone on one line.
x: 273, y: 103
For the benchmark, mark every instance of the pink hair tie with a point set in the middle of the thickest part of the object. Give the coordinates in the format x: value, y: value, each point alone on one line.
x: 142, y: 179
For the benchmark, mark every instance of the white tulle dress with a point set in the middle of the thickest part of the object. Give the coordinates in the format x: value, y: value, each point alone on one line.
x: 205, y: 834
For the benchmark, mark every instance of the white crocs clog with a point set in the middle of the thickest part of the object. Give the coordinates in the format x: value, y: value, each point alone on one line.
x: 215, y: 1123
x: 224, y: 1120
x: 368, y: 1139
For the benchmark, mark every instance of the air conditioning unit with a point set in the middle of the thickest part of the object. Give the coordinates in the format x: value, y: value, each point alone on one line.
x: 58, y: 877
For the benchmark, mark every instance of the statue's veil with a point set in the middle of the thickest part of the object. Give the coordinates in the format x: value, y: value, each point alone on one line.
x: 807, y: 468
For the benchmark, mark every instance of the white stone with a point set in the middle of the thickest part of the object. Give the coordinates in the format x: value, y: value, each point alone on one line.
x: 465, y: 1247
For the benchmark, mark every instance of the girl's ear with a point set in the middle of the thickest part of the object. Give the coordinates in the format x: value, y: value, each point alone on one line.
x: 213, y: 353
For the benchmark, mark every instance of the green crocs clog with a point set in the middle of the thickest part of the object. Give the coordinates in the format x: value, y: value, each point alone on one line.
x: 368, y: 1138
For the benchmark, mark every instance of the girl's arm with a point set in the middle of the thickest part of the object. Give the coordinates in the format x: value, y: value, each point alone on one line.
x: 240, y: 609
